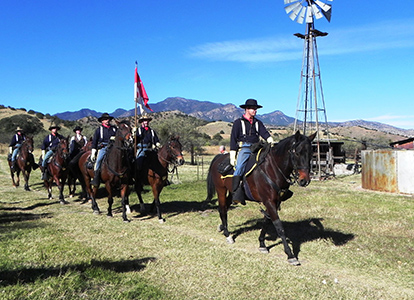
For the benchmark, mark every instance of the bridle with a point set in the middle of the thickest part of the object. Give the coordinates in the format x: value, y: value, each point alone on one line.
x: 174, y: 157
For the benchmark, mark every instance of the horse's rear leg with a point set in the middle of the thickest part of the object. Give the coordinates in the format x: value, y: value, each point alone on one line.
x: 224, y: 204
x: 263, y: 231
x: 138, y: 190
x: 110, y: 202
x: 95, y: 207
x: 124, y: 203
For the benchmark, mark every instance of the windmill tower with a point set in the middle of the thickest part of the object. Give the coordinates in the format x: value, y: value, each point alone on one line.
x: 311, y: 104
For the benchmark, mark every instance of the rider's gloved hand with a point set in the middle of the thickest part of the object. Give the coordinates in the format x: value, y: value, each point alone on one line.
x: 93, y: 155
x: 43, y: 153
x: 270, y: 140
x: 233, y: 157
x: 10, y: 150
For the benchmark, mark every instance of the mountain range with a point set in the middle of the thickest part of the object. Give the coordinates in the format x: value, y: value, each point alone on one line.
x: 225, y: 112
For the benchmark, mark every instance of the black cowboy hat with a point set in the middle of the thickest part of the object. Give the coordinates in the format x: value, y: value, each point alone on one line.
x: 251, y: 103
x: 54, y: 126
x: 77, y: 128
x: 105, y: 116
x: 144, y: 118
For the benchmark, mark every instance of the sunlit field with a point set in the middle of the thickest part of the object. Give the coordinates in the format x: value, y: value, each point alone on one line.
x: 352, y: 244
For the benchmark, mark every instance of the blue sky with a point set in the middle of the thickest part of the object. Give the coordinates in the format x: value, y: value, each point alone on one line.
x: 61, y: 56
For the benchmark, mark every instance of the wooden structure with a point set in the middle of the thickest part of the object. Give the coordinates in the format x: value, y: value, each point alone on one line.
x: 330, y: 153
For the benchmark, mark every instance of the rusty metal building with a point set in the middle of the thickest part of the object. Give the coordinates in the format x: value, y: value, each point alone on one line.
x: 388, y: 170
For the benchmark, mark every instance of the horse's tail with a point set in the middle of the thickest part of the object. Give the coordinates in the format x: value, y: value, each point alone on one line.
x: 211, y: 189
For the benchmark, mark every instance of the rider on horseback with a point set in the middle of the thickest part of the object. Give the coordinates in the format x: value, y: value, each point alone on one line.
x: 50, y: 143
x: 245, y: 132
x: 15, y: 144
x: 76, y: 142
x: 100, y: 141
x: 146, y: 139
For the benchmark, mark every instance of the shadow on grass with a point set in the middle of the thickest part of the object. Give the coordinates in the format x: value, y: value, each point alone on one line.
x: 298, y: 232
x: 21, y: 217
x: 29, y: 275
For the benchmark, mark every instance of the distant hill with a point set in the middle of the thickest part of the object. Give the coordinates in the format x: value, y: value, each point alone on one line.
x: 225, y: 112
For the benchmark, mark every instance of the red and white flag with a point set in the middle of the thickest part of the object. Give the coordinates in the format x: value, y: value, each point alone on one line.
x: 139, y: 90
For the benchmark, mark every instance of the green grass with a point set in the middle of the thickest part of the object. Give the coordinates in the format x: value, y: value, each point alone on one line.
x: 353, y: 244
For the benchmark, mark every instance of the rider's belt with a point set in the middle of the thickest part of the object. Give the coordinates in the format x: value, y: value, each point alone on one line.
x: 102, y: 145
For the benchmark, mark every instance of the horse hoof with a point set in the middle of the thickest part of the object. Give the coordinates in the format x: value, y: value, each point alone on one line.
x: 70, y: 196
x: 294, y: 261
x: 127, y: 221
x: 220, y: 228
x: 161, y: 221
x: 229, y: 239
x: 63, y: 202
x: 264, y: 250
x: 128, y: 209
x: 96, y: 212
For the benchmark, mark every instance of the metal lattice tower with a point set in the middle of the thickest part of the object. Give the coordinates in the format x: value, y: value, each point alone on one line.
x: 310, y: 110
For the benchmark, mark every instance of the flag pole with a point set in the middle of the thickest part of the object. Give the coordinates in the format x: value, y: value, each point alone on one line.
x: 136, y: 104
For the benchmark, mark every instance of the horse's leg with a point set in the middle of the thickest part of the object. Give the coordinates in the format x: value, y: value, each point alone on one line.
x: 124, y: 202
x: 48, y: 185
x: 138, y: 190
x: 272, y: 210
x: 61, y: 185
x: 263, y: 231
x: 26, y: 175
x: 110, y: 198
x: 156, y: 190
x: 224, y: 204
x: 12, y: 177
x: 94, y: 204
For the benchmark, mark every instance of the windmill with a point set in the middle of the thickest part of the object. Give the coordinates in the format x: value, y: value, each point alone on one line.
x: 311, y: 104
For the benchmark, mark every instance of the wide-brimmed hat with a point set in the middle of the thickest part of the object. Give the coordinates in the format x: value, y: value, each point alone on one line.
x: 77, y: 128
x: 251, y: 103
x: 18, y: 129
x: 144, y: 118
x: 105, y: 116
x: 54, y: 126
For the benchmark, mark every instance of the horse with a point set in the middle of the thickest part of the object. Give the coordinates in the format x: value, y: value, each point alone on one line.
x: 155, y: 170
x: 24, y: 163
x: 115, y: 170
x: 267, y: 183
x: 57, y: 169
x: 74, y: 171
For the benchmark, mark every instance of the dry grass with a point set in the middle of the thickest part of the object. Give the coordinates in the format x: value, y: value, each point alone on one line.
x: 363, y: 251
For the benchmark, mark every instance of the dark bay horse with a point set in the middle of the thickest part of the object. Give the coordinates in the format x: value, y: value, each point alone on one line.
x: 57, y: 170
x: 24, y: 163
x: 74, y: 171
x: 115, y: 170
x: 268, y: 183
x: 155, y: 171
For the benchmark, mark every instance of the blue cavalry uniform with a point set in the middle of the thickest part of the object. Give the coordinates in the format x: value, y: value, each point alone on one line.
x: 146, y: 139
x: 100, y: 142
x: 50, y: 144
x: 15, y: 144
x: 244, y: 133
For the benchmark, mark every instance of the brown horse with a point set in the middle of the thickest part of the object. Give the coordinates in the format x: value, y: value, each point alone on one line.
x: 268, y: 183
x: 155, y: 171
x: 57, y: 170
x: 74, y: 171
x: 24, y: 163
x: 115, y: 170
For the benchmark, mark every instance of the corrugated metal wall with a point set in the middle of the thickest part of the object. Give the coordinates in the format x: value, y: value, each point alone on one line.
x: 388, y: 170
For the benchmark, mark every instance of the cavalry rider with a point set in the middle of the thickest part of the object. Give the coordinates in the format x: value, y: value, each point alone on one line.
x: 76, y: 142
x: 146, y: 139
x: 50, y: 143
x: 15, y: 144
x: 245, y: 132
x: 100, y: 141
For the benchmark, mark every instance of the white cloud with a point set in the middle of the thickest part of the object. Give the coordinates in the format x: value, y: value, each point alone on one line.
x: 377, y: 36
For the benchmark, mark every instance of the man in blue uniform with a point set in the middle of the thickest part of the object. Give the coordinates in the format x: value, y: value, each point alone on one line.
x: 100, y: 141
x: 245, y: 132
x: 50, y: 144
x: 15, y: 144
x: 146, y: 138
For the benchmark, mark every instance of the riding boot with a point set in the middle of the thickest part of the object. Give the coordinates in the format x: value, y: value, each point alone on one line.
x: 44, y: 174
x: 13, y: 166
x: 237, y: 193
x: 96, y: 178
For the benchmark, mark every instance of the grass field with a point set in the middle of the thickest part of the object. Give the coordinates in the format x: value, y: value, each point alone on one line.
x: 353, y: 244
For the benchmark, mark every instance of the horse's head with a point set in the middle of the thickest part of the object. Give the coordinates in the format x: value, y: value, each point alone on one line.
x: 301, y: 155
x: 29, y: 144
x: 174, y: 148
x: 63, y: 148
x: 124, y: 132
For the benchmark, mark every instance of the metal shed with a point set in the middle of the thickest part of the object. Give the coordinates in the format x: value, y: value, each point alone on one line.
x: 388, y: 170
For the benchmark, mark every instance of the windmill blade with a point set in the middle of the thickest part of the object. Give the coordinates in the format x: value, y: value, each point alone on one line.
x: 291, y: 7
x: 309, y: 15
x: 290, y: 1
x: 295, y: 12
x: 316, y: 12
x: 322, y: 5
x: 301, y: 16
